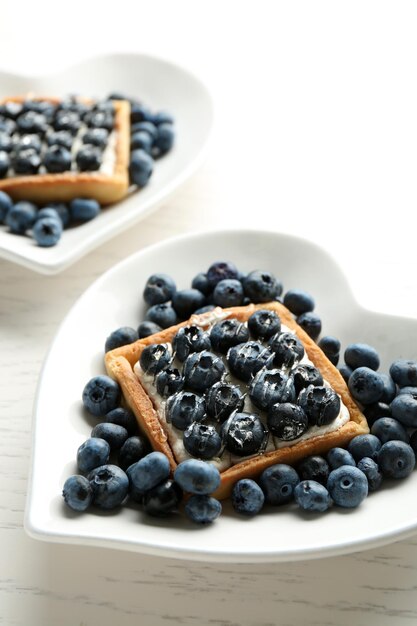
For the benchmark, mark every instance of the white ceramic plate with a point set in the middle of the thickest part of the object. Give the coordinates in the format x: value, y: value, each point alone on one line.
x: 160, y: 85
x: 60, y: 425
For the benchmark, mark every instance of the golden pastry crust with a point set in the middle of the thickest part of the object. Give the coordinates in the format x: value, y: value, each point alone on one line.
x: 44, y: 188
x: 120, y: 363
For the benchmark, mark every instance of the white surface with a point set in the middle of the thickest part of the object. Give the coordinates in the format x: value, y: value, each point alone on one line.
x: 315, y: 135
x: 158, y: 84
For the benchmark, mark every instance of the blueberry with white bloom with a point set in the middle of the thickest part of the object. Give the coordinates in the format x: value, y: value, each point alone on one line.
x: 57, y: 159
x: 202, y: 441
x: 146, y: 127
x: 270, y: 386
x: 246, y: 359
x: 304, y: 375
x: 122, y: 417
x: 278, y: 483
x: 190, y: 339
x: 197, y: 477
x: 222, y: 399
x: 11, y: 110
x: 159, y: 288
x: 244, y: 433
x: 101, y: 395
x: 62, y: 210
x: 220, y: 270
x: 315, y: 468
x: 201, y: 282
x: 89, y: 158
x: 186, y: 301
x: 140, y: 167
x: 47, y: 231
x: 361, y: 355
x: 6, y: 143
x: 298, y: 301
x: 365, y: 385
x: 184, y: 408
x: 20, y: 217
x: 202, y: 509
x: 263, y: 324
x: 165, y: 138
x: 60, y: 138
x: 390, y: 388
x: 162, y: 499
x: 311, y: 323
x: 92, y: 453
x: 48, y: 212
x: 6, y: 204
x: 141, y: 140
x: 25, y: 142
x: 396, y: 459
x: 4, y: 163
x: 162, y: 314
x: 228, y: 293
x: 66, y: 120
x: 77, y: 493
x: 147, y: 328
x: 336, y: 457
x: 262, y: 286
x: 287, y: 348
x: 114, y: 434
x: 110, y: 486
x: 247, y: 497
x: 202, y: 370
x: 168, y: 381
x: 320, y: 403
x: 348, y: 486
x: 162, y: 117
x: 312, y: 496
x: 96, y: 137
x: 84, y: 209
x: 133, y: 449
x: 149, y: 471
x: 120, y: 337
x: 404, y: 409
x: 155, y: 358
x: 287, y: 421
x: 228, y: 333
x: 404, y: 372
x: 372, y: 472
x: 139, y: 113
x: 389, y: 429
x: 364, y: 446
x: 31, y: 122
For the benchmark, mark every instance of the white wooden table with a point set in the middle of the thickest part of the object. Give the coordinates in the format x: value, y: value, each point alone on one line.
x: 316, y: 135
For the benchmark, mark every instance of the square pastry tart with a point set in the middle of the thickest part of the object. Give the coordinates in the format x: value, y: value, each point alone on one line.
x: 57, y: 150
x: 243, y: 388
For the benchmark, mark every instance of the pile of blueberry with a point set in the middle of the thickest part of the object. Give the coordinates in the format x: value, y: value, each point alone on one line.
x: 343, y: 477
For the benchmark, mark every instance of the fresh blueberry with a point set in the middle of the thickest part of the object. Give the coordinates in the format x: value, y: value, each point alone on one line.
x: 186, y: 301
x: 146, y: 127
x: 110, y: 486
x: 120, y: 337
x: 139, y: 113
x: 201, y: 283
x: 26, y: 142
x: 361, y: 355
x: 27, y: 162
x: 162, y: 117
x: 408, y: 389
x: 32, y: 122
x: 92, y: 453
x: 67, y: 120
x: 146, y: 329
x: 263, y: 324
x: 7, y: 125
x: 364, y: 446
x: 228, y: 333
x: 122, y: 417
x: 345, y: 372
x: 365, y: 385
x: 270, y: 386
x: 114, y: 434
x: 11, y: 109
x: 244, y: 433
x: 6, y: 204
x: 312, y: 496
x: 396, y: 459
x: 184, y: 408
x: 203, y: 509
x: 4, y: 163
x: 89, y: 158
x: 190, y: 339
x: 413, y: 441
x: 84, y: 209
x: 202, y: 369
x: 96, y: 137
x: 222, y: 399
x: 162, y: 314
x: 247, y: 497
x: 57, y: 159
x: 246, y: 359
x: 101, y: 395
x: 38, y: 106
x: 220, y: 270
x: 371, y: 470
x: 140, y: 167
x: 47, y: 231
x: 305, y: 375
x: 347, y: 486
x: 6, y: 143
x: 141, y: 140
x: 278, y: 483
x: 165, y: 138
x: 376, y: 410
x: 149, y: 471
x: 62, y: 210
x: 133, y: 449
x: 390, y: 388
x: 310, y: 323
x: 155, y: 358
x: 168, y: 381
x: 262, y: 286
x: 228, y: 293
x: 287, y: 421
x: 48, y: 212
x: 21, y: 217
x: 389, y: 429
x: 320, y: 403
x: 77, y: 493
x: 314, y: 468
x: 60, y: 138
x: 330, y: 346
x: 202, y: 441
x: 404, y: 409
x: 298, y: 301
x: 100, y: 119
x: 287, y: 348
x: 404, y: 372
x: 197, y: 477
x: 159, y: 288
x: 336, y: 457
x: 162, y: 499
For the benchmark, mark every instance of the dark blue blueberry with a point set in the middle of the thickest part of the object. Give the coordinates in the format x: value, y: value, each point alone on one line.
x: 390, y: 388
x: 404, y: 409
x: 48, y: 212
x: 371, y: 470
x: 114, y: 434
x: 84, y: 209
x: 220, y: 270
x: 32, y: 122
x: 11, y: 109
x: 7, y: 125
x: 89, y: 158
x: 186, y: 301
x: 404, y: 372
x: 287, y: 348
x: 247, y: 497
x: 165, y: 138
x: 330, y: 346
x: 412, y: 390
x: 162, y: 499
x: 278, y: 483
x: 27, y: 162
x: 336, y: 457
x: 139, y: 113
x: 202, y: 509
x: 162, y: 117
x: 201, y: 283
x: 202, y: 370
x: 312, y: 496
x: 347, y: 486
x: 197, y: 477
x: 244, y: 434
x: 47, y: 231
x: 21, y: 217
x: 305, y: 375
x: 122, y: 417
x: 6, y: 143
x: 263, y: 324
x: 110, y: 486
x: 118, y: 95
x: 389, y: 429
x: 228, y: 333
x: 345, y: 372
x: 222, y: 399
x: 314, y: 468
x: 96, y: 137
x: 92, y: 453
x: 57, y: 159
x: 4, y: 163
x: 67, y: 120
x: 159, y: 288
x: 77, y: 493
x: 146, y: 329
x: 205, y: 309
x: 168, y: 381
x: 60, y: 138
x: 413, y: 441
x: 262, y: 286
x: 149, y: 471
x: 287, y: 421
x: 270, y: 386
x: 246, y: 359
x: 361, y: 355
x: 120, y: 337
x: 202, y: 441
x: 320, y: 403
x: 62, y: 210
x: 365, y: 385
x: 101, y: 395
x: 6, y: 204
x: 228, y: 293
x: 146, y: 127
x: 298, y: 301
x: 364, y: 446
x: 38, y: 106
x: 376, y: 410
x: 155, y: 358
x: 140, y: 167
x: 162, y: 314
x: 26, y: 142
x: 133, y: 449
x: 190, y: 339
x: 396, y: 459
x: 310, y: 323
x: 184, y: 408
x: 141, y: 140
